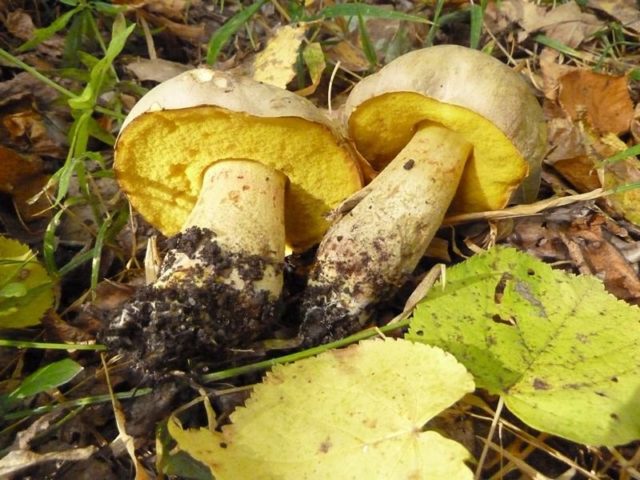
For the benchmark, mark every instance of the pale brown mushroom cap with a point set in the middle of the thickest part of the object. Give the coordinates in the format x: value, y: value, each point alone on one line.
x: 182, y: 126
x: 469, y: 92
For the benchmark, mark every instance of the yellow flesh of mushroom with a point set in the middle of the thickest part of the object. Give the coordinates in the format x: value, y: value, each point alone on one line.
x: 320, y: 170
x: 383, y: 125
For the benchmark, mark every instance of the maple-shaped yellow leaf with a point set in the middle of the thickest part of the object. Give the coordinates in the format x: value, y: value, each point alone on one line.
x: 355, y: 413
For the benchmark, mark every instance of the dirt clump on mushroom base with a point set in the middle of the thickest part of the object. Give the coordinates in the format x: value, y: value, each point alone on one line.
x: 186, y: 324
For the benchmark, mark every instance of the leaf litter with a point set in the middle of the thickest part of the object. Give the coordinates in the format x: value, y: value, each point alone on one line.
x: 572, y: 54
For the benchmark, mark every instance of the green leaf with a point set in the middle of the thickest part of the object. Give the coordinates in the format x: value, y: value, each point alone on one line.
x: 362, y: 10
x: 561, y: 351
x: 42, y: 34
x: 46, y: 378
x: 26, y: 291
x: 359, y: 412
x: 14, y: 289
x: 119, y: 35
x: 224, y: 33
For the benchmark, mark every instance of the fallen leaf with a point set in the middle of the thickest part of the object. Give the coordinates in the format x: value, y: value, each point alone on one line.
x: 26, y: 291
x: 617, y: 174
x: 24, y: 85
x: 552, y: 71
x: 191, y: 33
x: 18, y: 460
x: 560, y: 350
x: 30, y: 201
x: 625, y: 11
x: 565, y: 23
x: 157, y: 69
x: 358, y: 412
x: 600, y: 98
x: 275, y: 64
x: 15, y: 169
x: 603, y: 260
x: 313, y: 57
x: 31, y: 129
x: 568, y: 155
x: 20, y: 24
x: 350, y: 57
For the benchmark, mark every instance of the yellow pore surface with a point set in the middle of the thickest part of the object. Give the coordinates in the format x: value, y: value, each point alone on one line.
x: 382, y: 126
x: 161, y: 158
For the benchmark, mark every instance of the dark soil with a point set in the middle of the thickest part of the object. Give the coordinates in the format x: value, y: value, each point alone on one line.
x: 188, y: 324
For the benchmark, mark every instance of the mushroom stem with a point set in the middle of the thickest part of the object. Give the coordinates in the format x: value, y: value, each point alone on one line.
x: 242, y: 203
x: 220, y: 282
x: 368, y: 253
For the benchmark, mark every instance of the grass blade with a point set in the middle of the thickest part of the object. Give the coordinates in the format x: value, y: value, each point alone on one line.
x: 223, y: 34
x: 87, y: 99
x: 70, y: 347
x: 81, y: 402
x: 42, y: 34
x: 435, y: 24
x: 367, y: 45
x: 477, y: 16
x: 629, y: 152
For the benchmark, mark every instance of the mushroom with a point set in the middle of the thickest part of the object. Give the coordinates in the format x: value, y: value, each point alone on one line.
x: 452, y: 129
x: 231, y: 168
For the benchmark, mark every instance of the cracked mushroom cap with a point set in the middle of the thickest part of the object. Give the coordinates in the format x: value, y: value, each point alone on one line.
x: 469, y: 92
x: 184, y: 125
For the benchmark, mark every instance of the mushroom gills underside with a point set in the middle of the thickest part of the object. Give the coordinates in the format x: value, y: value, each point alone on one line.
x: 161, y: 158
x: 381, y: 126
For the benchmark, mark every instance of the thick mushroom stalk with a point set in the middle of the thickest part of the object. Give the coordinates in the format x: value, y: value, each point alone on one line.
x: 370, y: 251
x: 220, y: 282
x: 242, y: 203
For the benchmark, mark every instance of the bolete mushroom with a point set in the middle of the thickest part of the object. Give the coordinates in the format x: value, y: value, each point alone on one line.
x: 231, y: 168
x: 452, y: 129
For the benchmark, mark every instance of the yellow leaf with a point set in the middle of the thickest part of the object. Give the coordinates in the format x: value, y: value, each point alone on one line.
x: 357, y: 412
x: 275, y: 64
x: 314, y: 59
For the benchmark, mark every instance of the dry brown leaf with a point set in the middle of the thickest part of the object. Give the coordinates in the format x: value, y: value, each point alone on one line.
x: 565, y: 23
x: 605, y: 260
x: 552, y: 71
x: 16, y: 169
x: 168, y: 8
x: 20, y: 25
x: 191, y: 33
x: 635, y: 124
x: 29, y: 200
x: 18, y: 460
x: 625, y: 11
x: 157, y: 69
x: 275, y: 64
x: 603, y: 100
x: 586, y: 239
x: 350, y: 57
x: 28, y: 128
x: 24, y: 85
